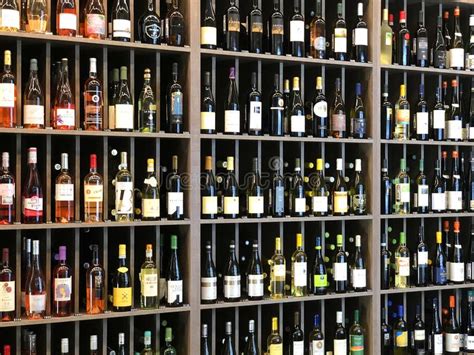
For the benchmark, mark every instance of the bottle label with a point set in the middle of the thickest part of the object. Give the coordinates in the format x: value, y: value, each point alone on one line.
x: 441, y: 275
x: 174, y: 291
x: 93, y: 193
x: 423, y: 195
x: 317, y: 347
x: 296, y: 31
x: 33, y: 114
x: 452, y: 342
x: 300, y: 274
x: 471, y: 132
x: 208, y: 288
x: 123, y: 116
x: 95, y: 24
x: 320, y: 280
x: 320, y: 109
x: 279, y: 201
x: 359, y: 278
x: 93, y: 107
x: 470, y: 59
x: 177, y: 105
x: 340, y: 347
x: 209, y: 36
x: 438, y: 201
x: 277, y: 27
x: 111, y: 116
x: 456, y: 57
x: 208, y: 120
x: 358, y: 125
x: 149, y: 283
x: 320, y: 204
x: 422, y: 125
x: 361, y: 37
x: 209, y: 204
x: 320, y: 43
x: 338, y: 122
x: 232, y: 286
x: 356, y: 344
x: 420, y: 334
x: 359, y: 202
x: 7, y: 94
x: 7, y: 193
x: 122, y: 297
x: 340, y: 271
x: 454, y: 129
x: 255, y: 119
x: 439, y: 119
x: 402, y: 117
x: 456, y: 272
x: 388, y: 38
x: 403, y: 265
x: 297, y: 123
x: 455, y: 200
x: 10, y: 18
x: 62, y: 289
x: 64, y: 192
x: 7, y: 296
x: 469, y: 340
x: 255, y: 204
x: 175, y: 203
x: 151, y: 207
x: 300, y: 205
x: 65, y: 117
x: 256, y: 26
x: 231, y: 205
x: 422, y: 258
x: 231, y: 121
x: 340, y: 40
x: 440, y: 59
x: 123, y: 197
x: 401, y: 339
x: 121, y: 28
x: 298, y: 347
x: 402, y: 193
x: 233, y: 25
x: 276, y: 349
x: 255, y: 285
x: 67, y: 21
x: 438, y: 344
x: 37, y: 303
x: 278, y: 270
x: 340, y: 202
x: 422, y: 48
x: 32, y: 205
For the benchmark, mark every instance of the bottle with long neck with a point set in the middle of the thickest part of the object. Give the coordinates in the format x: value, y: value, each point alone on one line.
x: 297, y: 198
x: 297, y: 31
x: 32, y: 195
x: 358, y: 193
x: 63, y: 115
x: 174, y: 280
x: 232, y: 27
x: 299, y: 269
x: 422, y: 57
x: 403, y: 42
x: 440, y: 272
x: 402, y: 116
x: 121, y: 24
x: 421, y: 260
x: 455, y: 185
x: 124, y: 111
x: 340, y: 336
x: 7, y: 89
x: 277, y: 109
x: 387, y: 336
x: 358, y: 268
x: 319, y: 273
x: 320, y: 199
x: 62, y: 289
x: 452, y: 329
x: 435, y: 339
x: 150, y: 194
x: 402, y: 263
x: 95, y: 284
x: 400, y: 333
x: 37, y: 13
x: 386, y: 40
x: 175, y: 194
x: 338, y: 114
x: 7, y: 192
x: 296, y: 344
x: 438, y: 193
x: 208, y: 107
x: 8, y: 289
x: 251, y: 346
x: 10, y: 16
x: 455, y: 119
x: 33, y: 100
x: 438, y: 117
x: 232, y: 107
x: 93, y: 193
x: 419, y: 333
x: 277, y: 30
x: 469, y: 336
x: 360, y: 37
x: 422, y: 190
x: 209, y: 192
x: 205, y: 346
x: 232, y: 278
x: 297, y: 115
x: 208, y: 278
x: 340, y: 192
x: 277, y: 272
x: 124, y: 194
x: 274, y: 340
x: 175, y: 104
x: 340, y: 267
x: 356, y: 335
x: 209, y: 26
x: 439, y: 55
x: 35, y: 289
x: 228, y: 347
x: 25, y: 269
x: 402, y: 190
x: 122, y: 286
x: 149, y: 280
x: 316, y: 337
x: 318, y: 34
x: 456, y: 52
x: 147, y: 121
x: 358, y: 118
x: 255, y: 276
x: 421, y: 126
x: 276, y: 194
x: 320, y: 111
x: 471, y: 103
x: 255, y: 193
x: 93, y: 99
x: 255, y: 29
x: 470, y: 54
x: 387, y: 190
x: 339, y: 46
x: 457, y: 272
x: 231, y: 201
x: 95, y: 21
x: 175, y: 29
x: 66, y: 18
x: 64, y: 193
x: 254, y: 108
x: 385, y: 264
x: 149, y: 25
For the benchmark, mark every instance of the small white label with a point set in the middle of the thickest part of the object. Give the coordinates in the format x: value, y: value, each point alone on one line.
x: 438, y: 344
x: 340, y: 40
x: 7, y: 296
x: 65, y: 117
x: 7, y: 94
x: 33, y: 114
x: 34, y: 203
x: 405, y: 192
x: 438, y: 201
x: 452, y: 342
x: 209, y: 36
x: 321, y: 109
x: 255, y: 119
x: 67, y: 21
x: 10, y: 18
x: 420, y: 334
x: 121, y: 28
x: 469, y: 340
x: 232, y: 121
x: 64, y: 192
x: 340, y: 271
x: 359, y: 278
x: 175, y: 202
x: 298, y: 347
x: 403, y: 266
x: 296, y: 31
x: 255, y: 204
x: 422, y: 258
x: 455, y: 200
x: 456, y: 272
x: 174, y: 291
x: 340, y: 347
x: 279, y: 270
x: 320, y: 204
x: 454, y: 129
x: 317, y: 347
x: 439, y: 119
x: 209, y: 204
x: 300, y: 274
x: 208, y: 120
x: 297, y: 124
x: 422, y: 122
x: 208, y: 288
x: 255, y: 285
x: 149, y: 285
x: 151, y: 207
x: 232, y: 286
x: 123, y: 116
x: 37, y: 303
x: 423, y: 195
x: 123, y: 197
x: 93, y: 193
x: 300, y: 205
x: 7, y: 194
x: 231, y: 205
x: 456, y: 58
x: 361, y: 37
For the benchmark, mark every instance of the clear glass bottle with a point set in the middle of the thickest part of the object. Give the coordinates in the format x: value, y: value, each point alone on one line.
x: 95, y: 284
x: 95, y: 22
x: 33, y: 100
x: 150, y: 194
x: 124, y: 194
x: 147, y: 109
x: 66, y: 18
x: 7, y: 192
x: 64, y: 193
x: 7, y: 90
x: 93, y: 193
x: 62, y: 286
x: 299, y: 266
x: 93, y: 99
x: 37, y: 12
x: 277, y: 272
x: 149, y: 280
x: 35, y: 289
x: 9, y: 16
x: 64, y: 109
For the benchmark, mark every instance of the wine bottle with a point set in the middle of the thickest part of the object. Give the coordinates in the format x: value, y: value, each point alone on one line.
x: 122, y: 284
x: 232, y: 27
x: 228, y: 347
x: 37, y: 13
x: 471, y: 104
x: 64, y: 193
x: 277, y: 108
x: 32, y: 195
x: 147, y: 121
x: 175, y: 104
x: 7, y: 290
x: 205, y: 346
x: 254, y: 108
x: 209, y: 26
x: 387, y: 337
x: 340, y: 267
x: 320, y: 111
x: 358, y: 118
x: 296, y: 346
x: 208, y: 277
x: 402, y: 116
x: 277, y: 272
x: 209, y: 192
x: 470, y: 54
x: 149, y: 25
x: 319, y: 273
x: 402, y: 263
x: 438, y: 118
x: 93, y: 193
x: 299, y: 267
x: 421, y: 126
x: 455, y: 121
x: 150, y: 194
x: 123, y: 111
x: 422, y: 47
x: 63, y: 111
x: 277, y: 30
x: 232, y: 107
x: 231, y: 192
x: 440, y: 273
x: 469, y: 335
x: 358, y: 192
x: 124, y: 194
x: 317, y: 30
x: 457, y: 272
x: 422, y: 189
x: 255, y: 193
x: 95, y: 284
x: 148, y: 280
x: 319, y: 201
x: 208, y: 107
x: 421, y: 260
x: 93, y: 346
x: 400, y: 333
x: 452, y: 329
x: 435, y: 340
x: 62, y: 286
x: 403, y: 42
x: 360, y: 37
x: 358, y: 268
x: 175, y: 195
x: 251, y: 346
x: 121, y: 24
x: 147, y: 349
x: 297, y: 114
x: 316, y: 337
x: 33, y: 99
x: 455, y: 185
x: 274, y: 340
x: 297, y: 31
x: 93, y: 99
x: 7, y: 83
x: 255, y: 277
x: 232, y: 276
x: 338, y: 114
x: 297, y: 199
x: 26, y: 260
x: 339, y: 41
x: 10, y: 16
x: 439, y: 55
x: 419, y: 336
x: 340, y: 192
x: 95, y: 20
x: 286, y: 99
x: 438, y: 193
x: 356, y: 336
x: 385, y: 264
x: 174, y: 280
x: 255, y: 30
x: 7, y: 192
x: 66, y: 19
x: 386, y: 40
x: 340, y: 336
x: 64, y: 346
x: 456, y: 51
x: 175, y: 28
x: 121, y: 344
x: 35, y: 289
x: 402, y: 190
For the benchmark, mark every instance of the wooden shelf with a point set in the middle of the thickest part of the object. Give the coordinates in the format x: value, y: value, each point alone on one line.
x: 429, y: 215
x: 245, y: 220
x: 427, y: 143
x: 428, y: 71
x: 268, y: 138
x: 448, y: 287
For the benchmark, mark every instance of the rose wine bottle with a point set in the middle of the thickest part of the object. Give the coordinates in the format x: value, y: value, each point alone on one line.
x: 93, y: 99
x: 7, y: 192
x: 64, y: 196
x: 66, y: 18
x: 37, y: 12
x: 62, y: 286
x: 94, y: 20
x: 93, y: 193
x: 7, y: 92
x: 35, y: 290
x: 7, y: 289
x: 32, y: 198
x: 95, y: 286
x: 64, y: 113
x: 33, y: 99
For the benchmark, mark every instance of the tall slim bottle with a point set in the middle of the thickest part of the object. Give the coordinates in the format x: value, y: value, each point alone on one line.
x: 64, y: 109
x: 147, y: 116
x: 174, y: 280
x: 274, y: 340
x: 277, y: 30
x: 255, y: 277
x: 7, y: 90
x: 37, y: 12
x: 299, y: 266
x: 277, y: 108
x: 317, y: 28
x: 402, y: 263
x: 93, y: 99
x: 95, y: 284
x: 208, y: 277
x: 209, y: 27
x: 175, y: 195
x: 149, y: 280
x: 402, y: 190
x: 232, y: 278
x: 232, y: 107
x: 338, y: 114
x: 124, y: 192
x: 297, y: 31
x: 32, y: 194
x: 319, y: 273
x: 402, y: 116
x: 66, y: 18
x: 150, y: 194
x: 64, y: 193
x: 452, y: 329
x: 7, y: 288
x: 122, y: 289
x: 277, y: 272
x: 33, y: 99
x: 35, y: 289
x: 7, y: 192
x: 62, y: 286
x: 209, y: 192
x: 386, y: 40
x: 340, y: 267
x: 456, y: 52
x: 93, y: 193
x: 175, y: 104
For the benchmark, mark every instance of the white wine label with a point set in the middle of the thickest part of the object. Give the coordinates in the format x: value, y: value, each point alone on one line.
x: 93, y: 193
x: 65, y: 117
x: 340, y: 40
x: 300, y: 205
x: 7, y: 194
x: 403, y: 265
x: 123, y: 197
x: 231, y: 121
x: 439, y: 119
x: 232, y: 286
x: 174, y: 291
x: 455, y: 200
x: 231, y: 205
x: 438, y: 344
x: 276, y: 349
x: 33, y: 114
x: 175, y: 202
x: 456, y: 272
x: 340, y: 347
x: 298, y: 347
x: 317, y: 347
x: 64, y: 192
x: 10, y: 18
x: 423, y: 195
x: 340, y: 271
x: 7, y: 296
x: 33, y: 203
x: 208, y: 120
x: 209, y: 36
x: 149, y: 284
x: 469, y: 341
x: 438, y: 201
x: 121, y: 28
x: 255, y: 204
x: 456, y: 57
x: 422, y: 257
x: 320, y: 204
x: 62, y: 289
x: 209, y: 204
x: 37, y: 303
x: 123, y: 116
x: 320, y: 43
x: 279, y: 270
x: 300, y: 276
x: 67, y: 21
x: 255, y: 285
x: 321, y: 109
x: 420, y: 334
x: 422, y: 123
x: 452, y: 342
x: 340, y: 202
x: 454, y: 129
x: 297, y: 124
x: 361, y: 37
x: 296, y: 31
x: 7, y: 94
x: 359, y: 278
x: 255, y: 119
x: 208, y: 288
x: 151, y: 207
x: 402, y: 192
x: 388, y: 38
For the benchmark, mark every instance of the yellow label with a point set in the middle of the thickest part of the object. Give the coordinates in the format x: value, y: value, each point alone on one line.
x: 340, y: 202
x: 276, y: 349
x: 122, y: 269
x: 122, y: 297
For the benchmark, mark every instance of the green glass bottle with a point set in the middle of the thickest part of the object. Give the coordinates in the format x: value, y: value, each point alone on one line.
x: 356, y: 336
x: 147, y: 350
x: 169, y: 348
x: 147, y: 106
